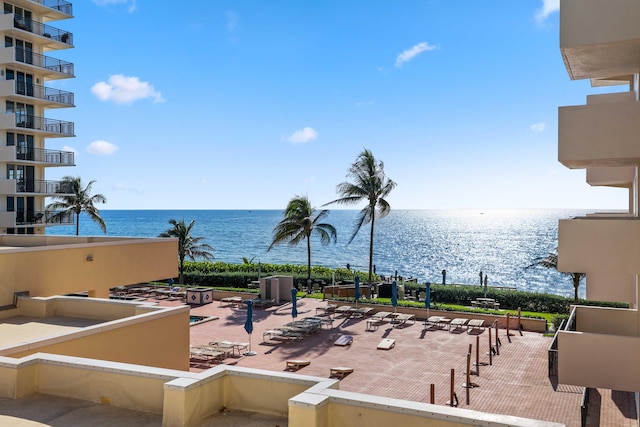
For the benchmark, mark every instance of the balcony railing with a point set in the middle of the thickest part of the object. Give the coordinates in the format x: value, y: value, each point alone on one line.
x: 54, y: 157
x: 61, y: 5
x: 45, y: 93
x: 43, y: 217
x: 42, y: 61
x: 43, y: 187
x: 41, y: 29
x: 44, y: 124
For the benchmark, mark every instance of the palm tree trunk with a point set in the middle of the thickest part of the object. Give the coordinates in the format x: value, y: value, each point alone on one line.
x: 373, y: 219
x: 181, y: 272
x: 77, y: 223
x: 576, y: 285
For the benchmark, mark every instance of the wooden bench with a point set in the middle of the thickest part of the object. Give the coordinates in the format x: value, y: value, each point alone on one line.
x: 339, y: 372
x: 294, y: 365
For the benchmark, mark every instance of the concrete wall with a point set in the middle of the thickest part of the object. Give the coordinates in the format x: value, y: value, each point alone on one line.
x: 185, y: 398
x: 157, y: 338
x: 54, y: 265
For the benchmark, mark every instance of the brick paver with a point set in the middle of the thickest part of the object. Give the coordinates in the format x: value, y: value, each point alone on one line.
x: 515, y: 384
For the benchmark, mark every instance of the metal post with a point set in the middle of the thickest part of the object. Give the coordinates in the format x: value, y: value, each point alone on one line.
x: 432, y: 398
x: 497, y: 339
x: 490, y: 348
x: 508, y: 333
x: 451, y: 393
x: 468, y: 376
x: 478, y: 355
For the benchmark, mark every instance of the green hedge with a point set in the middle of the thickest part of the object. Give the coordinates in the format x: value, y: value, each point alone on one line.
x: 220, y: 274
x: 205, y: 273
x: 509, y: 300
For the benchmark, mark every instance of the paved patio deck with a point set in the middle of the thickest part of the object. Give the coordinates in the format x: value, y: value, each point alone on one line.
x: 515, y: 384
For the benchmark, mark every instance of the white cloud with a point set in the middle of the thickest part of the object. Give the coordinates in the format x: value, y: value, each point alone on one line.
x: 232, y: 20
x: 548, y: 7
x: 538, y: 127
x: 412, y: 52
x: 363, y: 103
x: 102, y: 148
x: 69, y: 148
x: 122, y: 89
x: 131, y: 4
x: 302, y: 135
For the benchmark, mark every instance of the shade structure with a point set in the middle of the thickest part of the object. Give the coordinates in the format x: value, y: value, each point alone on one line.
x: 248, y: 326
x: 357, y: 289
x: 294, y: 302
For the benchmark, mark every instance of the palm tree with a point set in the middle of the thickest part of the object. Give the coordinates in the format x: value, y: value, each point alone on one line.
x: 77, y: 200
x: 299, y: 223
x: 551, y: 261
x: 372, y: 185
x: 188, y: 245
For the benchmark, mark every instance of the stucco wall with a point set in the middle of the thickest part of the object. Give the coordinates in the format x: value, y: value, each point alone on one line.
x: 60, y: 269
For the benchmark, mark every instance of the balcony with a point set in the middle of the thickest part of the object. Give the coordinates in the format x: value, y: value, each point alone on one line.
x: 47, y: 36
x: 611, y: 176
x: 48, y: 97
x: 600, y: 39
x: 52, y: 188
x: 51, y: 10
x: 601, y: 133
x: 48, y: 157
x: 31, y: 218
x: 50, y: 128
x: 602, y: 245
x: 598, y: 347
x: 29, y: 61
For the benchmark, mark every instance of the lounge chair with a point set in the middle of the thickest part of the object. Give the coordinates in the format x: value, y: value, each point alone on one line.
x: 294, y: 365
x: 361, y: 312
x: 327, y: 310
x: 403, y: 318
x: 231, y: 300
x: 381, y: 315
x: 475, y: 325
x: 262, y: 303
x: 434, y: 322
x: 345, y: 310
x: 458, y: 324
x: 339, y: 372
x: 328, y: 322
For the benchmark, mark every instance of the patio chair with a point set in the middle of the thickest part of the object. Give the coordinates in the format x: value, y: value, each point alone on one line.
x: 403, y: 318
x: 344, y: 310
x: 475, y: 325
x: 458, y: 324
x: 434, y: 322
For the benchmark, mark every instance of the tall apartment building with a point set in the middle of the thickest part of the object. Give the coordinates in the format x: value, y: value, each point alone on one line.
x: 600, y: 41
x: 25, y: 126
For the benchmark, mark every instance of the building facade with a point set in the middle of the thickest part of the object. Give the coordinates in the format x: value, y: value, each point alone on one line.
x: 25, y: 68
x: 600, y: 41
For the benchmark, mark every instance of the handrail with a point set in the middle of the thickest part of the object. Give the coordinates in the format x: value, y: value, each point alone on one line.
x: 42, y: 61
x: 43, y: 187
x: 571, y: 323
x: 44, y: 155
x: 44, y: 92
x: 584, y: 406
x: 44, y: 124
x: 60, y: 5
x: 38, y: 28
x: 43, y: 217
x: 553, y: 354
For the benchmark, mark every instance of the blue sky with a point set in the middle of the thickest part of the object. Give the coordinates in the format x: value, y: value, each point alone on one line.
x: 244, y: 104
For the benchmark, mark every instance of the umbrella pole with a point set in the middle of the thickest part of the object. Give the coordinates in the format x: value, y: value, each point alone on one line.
x: 250, y: 352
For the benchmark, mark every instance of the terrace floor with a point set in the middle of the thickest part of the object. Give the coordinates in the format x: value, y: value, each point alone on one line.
x: 515, y: 383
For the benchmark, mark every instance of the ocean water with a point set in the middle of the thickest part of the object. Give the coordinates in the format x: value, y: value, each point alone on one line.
x: 416, y: 243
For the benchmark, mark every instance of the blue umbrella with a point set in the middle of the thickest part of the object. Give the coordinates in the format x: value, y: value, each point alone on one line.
x: 394, y: 294
x: 248, y: 326
x: 357, y: 289
x: 294, y: 303
x: 427, y: 296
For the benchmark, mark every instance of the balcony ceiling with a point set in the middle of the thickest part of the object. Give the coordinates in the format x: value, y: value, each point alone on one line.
x: 603, y: 61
